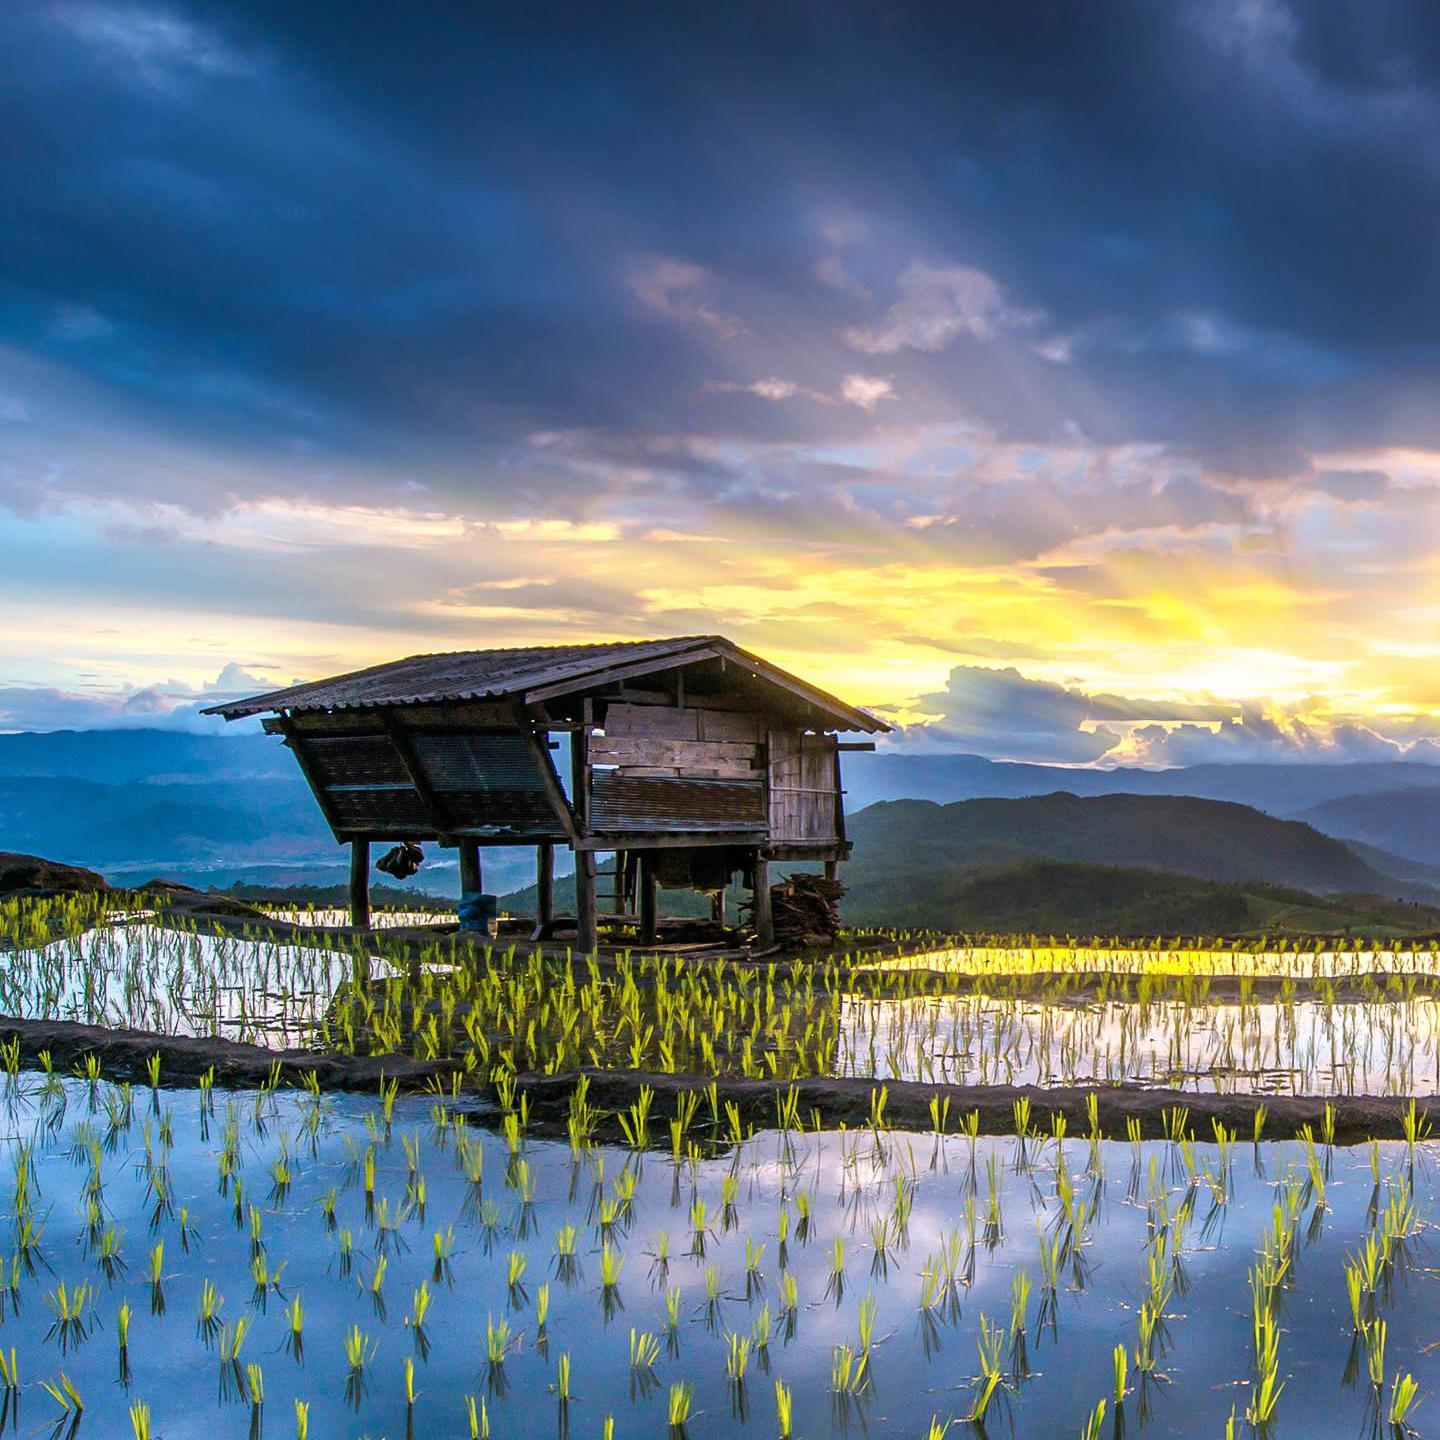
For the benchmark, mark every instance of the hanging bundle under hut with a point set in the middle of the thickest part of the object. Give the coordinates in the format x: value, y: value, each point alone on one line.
x: 806, y: 911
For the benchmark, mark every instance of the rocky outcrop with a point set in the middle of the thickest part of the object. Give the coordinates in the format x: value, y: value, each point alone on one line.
x: 34, y: 875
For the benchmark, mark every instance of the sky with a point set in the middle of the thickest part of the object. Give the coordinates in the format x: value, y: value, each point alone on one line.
x: 1059, y: 380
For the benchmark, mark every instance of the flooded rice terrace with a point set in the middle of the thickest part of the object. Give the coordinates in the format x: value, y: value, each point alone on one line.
x: 266, y: 1261
x: 1341, y: 1023
x: 1275, y: 1047
x: 202, y: 1263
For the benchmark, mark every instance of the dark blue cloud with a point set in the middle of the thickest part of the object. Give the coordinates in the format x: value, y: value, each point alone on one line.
x: 421, y: 236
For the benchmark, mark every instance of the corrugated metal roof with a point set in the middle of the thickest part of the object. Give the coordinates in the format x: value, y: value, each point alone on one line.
x: 496, y: 674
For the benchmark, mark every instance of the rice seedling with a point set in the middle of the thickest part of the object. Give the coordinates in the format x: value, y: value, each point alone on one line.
x: 498, y: 1341
x: 737, y: 1355
x: 644, y: 1350
x: 610, y: 1263
x: 1374, y: 1336
x: 784, y: 1411
x: 515, y: 1268
x: 849, y: 1370
x: 1403, y: 1395
x: 295, y: 1327
x: 63, y: 1392
x: 359, y: 1349
x: 677, y: 1408
x: 70, y: 1305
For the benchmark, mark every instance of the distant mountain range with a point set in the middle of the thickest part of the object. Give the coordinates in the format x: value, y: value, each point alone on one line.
x: 1127, y: 865
x: 1402, y: 821
x: 1286, y: 790
x: 1055, y: 897
x: 204, y: 809
x: 919, y: 863
x: 220, y: 809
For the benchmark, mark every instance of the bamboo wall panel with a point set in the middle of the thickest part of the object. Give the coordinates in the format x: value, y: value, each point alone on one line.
x: 667, y: 804
x: 804, y: 803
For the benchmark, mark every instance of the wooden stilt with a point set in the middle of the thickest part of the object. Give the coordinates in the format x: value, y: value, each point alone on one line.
x: 587, y: 940
x: 360, y: 884
x: 545, y: 886
x: 472, y: 878
x: 621, y: 865
x: 831, y: 867
x: 717, y: 907
x: 649, y: 898
x: 764, y: 918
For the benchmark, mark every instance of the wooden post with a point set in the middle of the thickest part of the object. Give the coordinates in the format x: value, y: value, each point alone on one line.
x: 360, y: 884
x: 764, y: 919
x: 545, y: 882
x: 472, y: 878
x: 717, y: 907
x: 587, y: 938
x: 621, y: 864
x: 649, y: 898
x: 831, y: 866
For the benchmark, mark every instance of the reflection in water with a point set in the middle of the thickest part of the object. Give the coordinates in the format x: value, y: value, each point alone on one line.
x: 893, y: 1025
x: 333, y: 917
x: 1296, y: 964
x: 1302, y: 1047
x: 336, y: 1218
x: 177, y: 982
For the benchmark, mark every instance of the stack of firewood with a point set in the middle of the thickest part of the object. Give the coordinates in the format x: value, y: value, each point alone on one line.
x: 806, y: 911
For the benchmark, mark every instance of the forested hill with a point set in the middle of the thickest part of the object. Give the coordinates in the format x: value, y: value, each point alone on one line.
x: 1060, y: 897
x: 913, y: 842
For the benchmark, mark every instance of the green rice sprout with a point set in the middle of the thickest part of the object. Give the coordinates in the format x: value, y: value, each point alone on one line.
x: 1375, y: 1334
x: 784, y: 1411
x: 644, y: 1349
x: 610, y: 1262
x: 515, y: 1268
x: 849, y: 1370
x: 478, y: 1415
x: 990, y: 1344
x: 63, y: 1392
x: 1403, y: 1393
x: 359, y: 1350
x: 498, y: 1340
x: 737, y: 1355
x: 677, y: 1406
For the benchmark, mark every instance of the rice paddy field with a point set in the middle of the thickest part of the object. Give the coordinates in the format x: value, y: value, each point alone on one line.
x: 546, y: 1212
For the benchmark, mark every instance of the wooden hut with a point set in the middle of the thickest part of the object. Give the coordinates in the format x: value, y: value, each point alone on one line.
x: 689, y: 759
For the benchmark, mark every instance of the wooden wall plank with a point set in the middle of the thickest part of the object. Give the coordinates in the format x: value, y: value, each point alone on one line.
x: 610, y: 749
